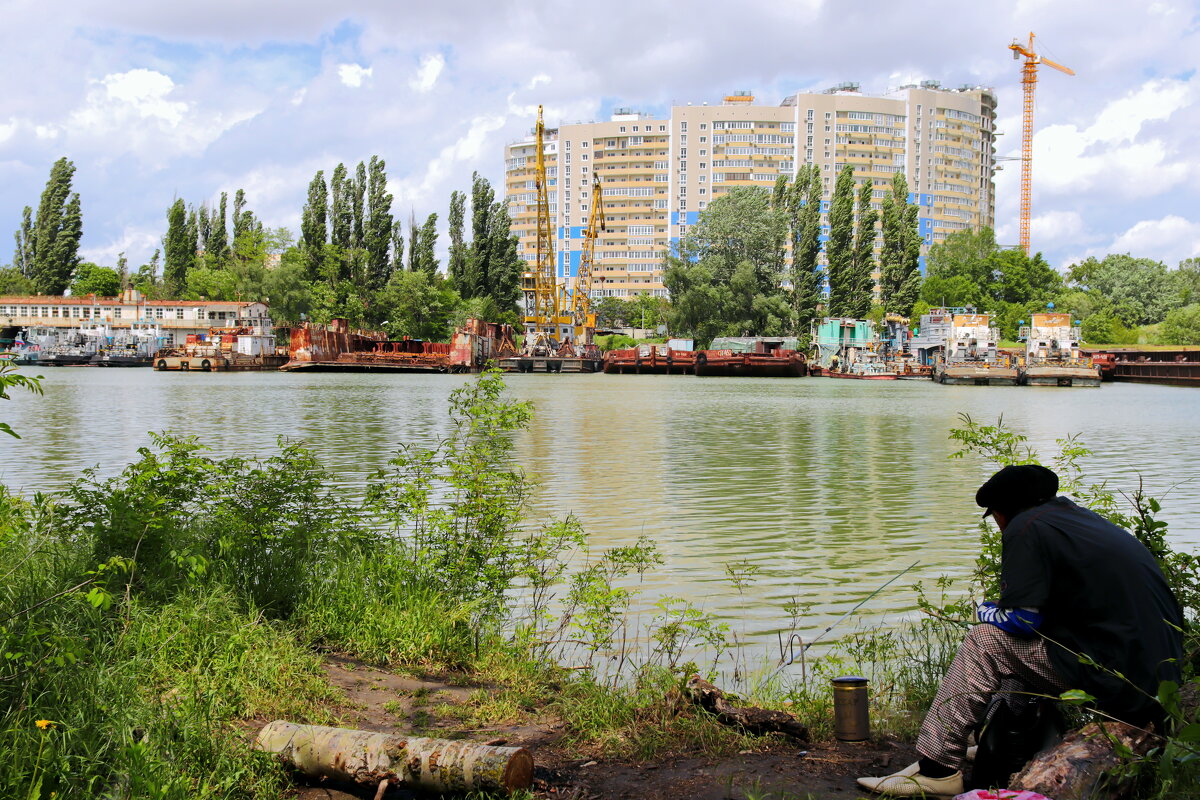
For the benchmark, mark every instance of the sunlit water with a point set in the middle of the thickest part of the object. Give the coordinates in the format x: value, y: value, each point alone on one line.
x: 828, y: 487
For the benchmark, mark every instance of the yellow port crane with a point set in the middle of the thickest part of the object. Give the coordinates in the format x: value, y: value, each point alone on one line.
x: 1028, y: 83
x: 540, y: 285
x: 581, y: 294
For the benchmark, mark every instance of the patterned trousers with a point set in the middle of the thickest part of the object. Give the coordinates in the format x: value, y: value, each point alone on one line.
x: 988, y: 661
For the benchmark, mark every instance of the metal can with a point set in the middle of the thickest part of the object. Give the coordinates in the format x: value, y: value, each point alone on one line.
x: 851, y: 717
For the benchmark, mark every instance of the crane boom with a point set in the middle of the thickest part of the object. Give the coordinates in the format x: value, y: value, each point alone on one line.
x: 539, y: 285
x: 581, y: 294
x: 1029, y: 83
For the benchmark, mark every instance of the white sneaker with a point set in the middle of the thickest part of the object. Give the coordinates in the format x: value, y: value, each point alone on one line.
x: 909, y: 782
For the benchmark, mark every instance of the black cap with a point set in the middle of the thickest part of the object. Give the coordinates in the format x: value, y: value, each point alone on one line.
x: 1017, y: 488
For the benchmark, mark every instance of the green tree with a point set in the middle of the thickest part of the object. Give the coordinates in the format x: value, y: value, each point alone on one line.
x: 900, y: 271
x: 378, y: 230
x: 839, y: 249
x: 287, y: 287
x: 1181, y: 326
x: 483, y: 205
x: 1144, y: 288
x: 418, y: 304
x: 341, y: 215
x: 180, y: 251
x: 456, y: 268
x: 964, y: 253
x: 57, y: 230
x: 216, y: 247
x: 397, y: 253
x: 725, y: 277
x: 23, y: 256
x: 92, y: 279
x: 1187, y: 281
x: 424, y: 246
x: 504, y: 265
x: 862, y: 283
x: 613, y: 312
x: 209, y: 283
x: 806, y: 247
x: 358, y: 188
x: 314, y: 233
x: 13, y: 283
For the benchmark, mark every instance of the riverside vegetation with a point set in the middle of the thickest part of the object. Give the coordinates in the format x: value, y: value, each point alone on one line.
x: 148, y: 620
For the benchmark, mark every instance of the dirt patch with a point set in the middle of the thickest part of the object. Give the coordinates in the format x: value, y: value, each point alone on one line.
x: 379, y: 700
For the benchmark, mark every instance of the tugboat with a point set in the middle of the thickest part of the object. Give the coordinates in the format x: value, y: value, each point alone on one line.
x: 972, y: 356
x: 837, y: 344
x: 131, y: 348
x: 1052, y: 354
x: 32, y: 342
x: 75, y: 349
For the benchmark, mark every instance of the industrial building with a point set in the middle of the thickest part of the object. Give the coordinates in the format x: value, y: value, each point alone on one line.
x: 659, y: 174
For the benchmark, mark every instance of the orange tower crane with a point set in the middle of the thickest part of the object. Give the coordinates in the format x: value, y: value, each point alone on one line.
x: 1029, y: 82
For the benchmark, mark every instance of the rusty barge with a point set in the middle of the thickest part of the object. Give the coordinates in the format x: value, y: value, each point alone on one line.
x: 1180, y: 367
x: 338, y: 348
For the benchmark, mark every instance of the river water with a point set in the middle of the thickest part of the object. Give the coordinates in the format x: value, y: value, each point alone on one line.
x: 828, y: 487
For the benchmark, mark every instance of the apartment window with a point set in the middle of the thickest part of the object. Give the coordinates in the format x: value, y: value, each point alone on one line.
x: 682, y: 191
x: 682, y: 166
x: 683, y: 139
x: 622, y: 129
x: 703, y: 153
x: 683, y: 152
x: 583, y: 144
x: 54, y: 311
x: 583, y: 156
x: 702, y: 205
x: 703, y: 165
x: 810, y: 115
x: 703, y: 138
x: 683, y: 126
x: 584, y: 170
x: 703, y: 190
x: 702, y: 179
x: 612, y: 142
x: 567, y: 146
x: 568, y: 159
x: 662, y: 127
x: 826, y: 141
x: 635, y: 128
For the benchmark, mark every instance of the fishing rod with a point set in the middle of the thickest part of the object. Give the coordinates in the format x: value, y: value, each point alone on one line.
x: 792, y: 653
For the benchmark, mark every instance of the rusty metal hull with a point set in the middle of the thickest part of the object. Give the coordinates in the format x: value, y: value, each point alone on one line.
x: 649, y: 361
x: 788, y: 364
x: 1049, y: 375
x: 550, y: 364
x: 967, y: 375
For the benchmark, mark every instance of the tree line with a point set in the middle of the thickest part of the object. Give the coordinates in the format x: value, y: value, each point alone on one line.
x: 353, y: 259
x: 731, y: 275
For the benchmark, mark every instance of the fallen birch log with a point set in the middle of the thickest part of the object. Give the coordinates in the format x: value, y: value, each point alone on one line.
x: 1076, y: 768
x: 413, y: 762
x: 749, y: 718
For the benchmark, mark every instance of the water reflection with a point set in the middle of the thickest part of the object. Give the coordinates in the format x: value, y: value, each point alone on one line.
x: 829, y: 488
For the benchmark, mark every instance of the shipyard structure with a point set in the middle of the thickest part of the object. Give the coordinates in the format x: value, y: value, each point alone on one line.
x: 658, y: 174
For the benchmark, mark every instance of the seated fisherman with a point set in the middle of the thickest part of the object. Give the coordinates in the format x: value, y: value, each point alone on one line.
x: 1071, y: 583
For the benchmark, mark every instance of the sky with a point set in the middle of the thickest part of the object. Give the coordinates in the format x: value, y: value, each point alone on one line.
x: 154, y: 100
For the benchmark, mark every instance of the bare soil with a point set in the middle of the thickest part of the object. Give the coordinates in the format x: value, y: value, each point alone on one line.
x: 379, y: 700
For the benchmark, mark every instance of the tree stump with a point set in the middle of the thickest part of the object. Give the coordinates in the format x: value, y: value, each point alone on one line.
x: 373, y: 759
x: 1076, y: 768
x: 749, y: 718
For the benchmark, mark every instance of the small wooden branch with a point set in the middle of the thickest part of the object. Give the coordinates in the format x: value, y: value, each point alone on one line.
x: 749, y: 718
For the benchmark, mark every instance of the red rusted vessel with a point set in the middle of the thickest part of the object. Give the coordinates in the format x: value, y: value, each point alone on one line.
x: 769, y: 364
x: 1176, y: 367
x: 336, y: 348
x: 652, y: 359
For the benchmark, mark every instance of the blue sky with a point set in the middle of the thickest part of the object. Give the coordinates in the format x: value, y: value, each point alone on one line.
x: 154, y: 101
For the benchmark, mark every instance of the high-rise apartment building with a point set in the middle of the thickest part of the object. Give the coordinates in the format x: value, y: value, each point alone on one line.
x: 659, y: 174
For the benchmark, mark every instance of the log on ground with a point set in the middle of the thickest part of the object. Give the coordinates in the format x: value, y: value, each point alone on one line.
x: 1077, y: 768
x: 412, y: 762
x: 749, y: 718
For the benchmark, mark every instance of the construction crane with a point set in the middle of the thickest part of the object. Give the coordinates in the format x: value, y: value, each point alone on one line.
x: 1029, y: 82
x: 581, y: 294
x: 540, y: 285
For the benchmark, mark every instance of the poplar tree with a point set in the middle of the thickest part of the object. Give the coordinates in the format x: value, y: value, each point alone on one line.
x: 803, y: 204
x: 425, y: 246
x: 862, y: 284
x: 358, y: 189
x: 23, y: 257
x: 341, y: 218
x: 217, y: 245
x: 839, y: 250
x: 482, y: 234
x: 900, y: 271
x: 314, y: 232
x: 55, y: 233
x: 203, y: 229
x: 414, y: 241
x: 505, y: 266
x: 397, y: 246
x: 379, y: 224
x: 180, y: 255
x: 457, y: 266
x: 242, y: 219
x: 193, y: 234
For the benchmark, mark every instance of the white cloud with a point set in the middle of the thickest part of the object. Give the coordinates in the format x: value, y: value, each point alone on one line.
x: 1113, y: 152
x: 138, y: 242
x: 1170, y: 239
x: 1055, y: 227
x: 353, y: 75
x: 428, y: 73
x: 468, y: 148
x: 7, y: 130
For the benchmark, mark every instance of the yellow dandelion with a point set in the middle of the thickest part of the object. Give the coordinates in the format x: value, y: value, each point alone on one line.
x: 44, y: 723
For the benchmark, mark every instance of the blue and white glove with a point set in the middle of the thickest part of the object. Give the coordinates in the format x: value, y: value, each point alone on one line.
x: 1017, y: 621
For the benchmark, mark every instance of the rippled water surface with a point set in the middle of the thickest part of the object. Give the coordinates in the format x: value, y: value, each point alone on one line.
x: 829, y: 487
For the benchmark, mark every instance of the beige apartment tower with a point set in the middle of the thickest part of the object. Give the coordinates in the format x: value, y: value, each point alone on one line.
x: 659, y: 174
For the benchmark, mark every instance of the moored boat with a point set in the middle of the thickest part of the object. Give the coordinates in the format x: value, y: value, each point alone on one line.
x: 650, y: 359
x: 971, y: 355
x: 1052, y: 354
x: 752, y: 357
